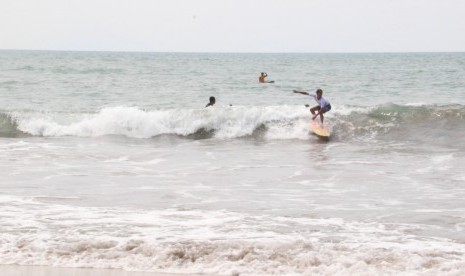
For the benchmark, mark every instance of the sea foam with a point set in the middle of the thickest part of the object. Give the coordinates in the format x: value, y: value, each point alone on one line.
x: 226, y: 122
x: 215, y: 242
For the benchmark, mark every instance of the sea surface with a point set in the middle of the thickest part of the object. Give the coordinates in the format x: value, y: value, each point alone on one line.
x: 111, y: 160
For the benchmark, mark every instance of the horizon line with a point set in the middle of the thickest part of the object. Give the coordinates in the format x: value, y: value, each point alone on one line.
x: 232, y: 52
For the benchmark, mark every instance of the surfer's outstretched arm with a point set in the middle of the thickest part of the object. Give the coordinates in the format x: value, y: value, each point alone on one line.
x: 300, y: 92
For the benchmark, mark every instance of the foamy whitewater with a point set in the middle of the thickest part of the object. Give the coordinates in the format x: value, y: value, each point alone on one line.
x: 110, y: 160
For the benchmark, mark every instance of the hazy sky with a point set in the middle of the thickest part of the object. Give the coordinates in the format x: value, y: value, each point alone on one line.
x: 234, y: 25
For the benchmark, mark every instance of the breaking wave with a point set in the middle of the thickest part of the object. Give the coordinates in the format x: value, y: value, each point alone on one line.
x: 270, y: 122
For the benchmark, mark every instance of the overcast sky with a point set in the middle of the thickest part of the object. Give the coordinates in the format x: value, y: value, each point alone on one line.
x: 234, y: 25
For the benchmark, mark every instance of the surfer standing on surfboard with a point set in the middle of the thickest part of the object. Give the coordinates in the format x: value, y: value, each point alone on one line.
x: 323, y: 104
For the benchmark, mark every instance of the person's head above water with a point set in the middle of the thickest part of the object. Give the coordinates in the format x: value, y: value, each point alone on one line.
x: 212, y: 101
x: 319, y: 93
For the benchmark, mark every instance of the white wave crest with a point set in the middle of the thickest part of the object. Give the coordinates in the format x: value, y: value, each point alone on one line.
x: 280, y: 122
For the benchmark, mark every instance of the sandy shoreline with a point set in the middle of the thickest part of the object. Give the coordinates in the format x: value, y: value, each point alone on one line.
x: 20, y: 270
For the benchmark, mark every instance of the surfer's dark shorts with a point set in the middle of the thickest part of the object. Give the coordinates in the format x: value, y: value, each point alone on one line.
x: 328, y: 107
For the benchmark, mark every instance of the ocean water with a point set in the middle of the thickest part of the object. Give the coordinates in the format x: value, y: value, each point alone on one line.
x: 110, y: 160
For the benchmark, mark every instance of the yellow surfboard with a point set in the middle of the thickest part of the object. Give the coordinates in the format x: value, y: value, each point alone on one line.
x: 319, y: 130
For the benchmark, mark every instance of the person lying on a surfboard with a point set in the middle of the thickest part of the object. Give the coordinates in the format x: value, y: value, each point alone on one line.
x: 323, y: 104
x: 212, y: 101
